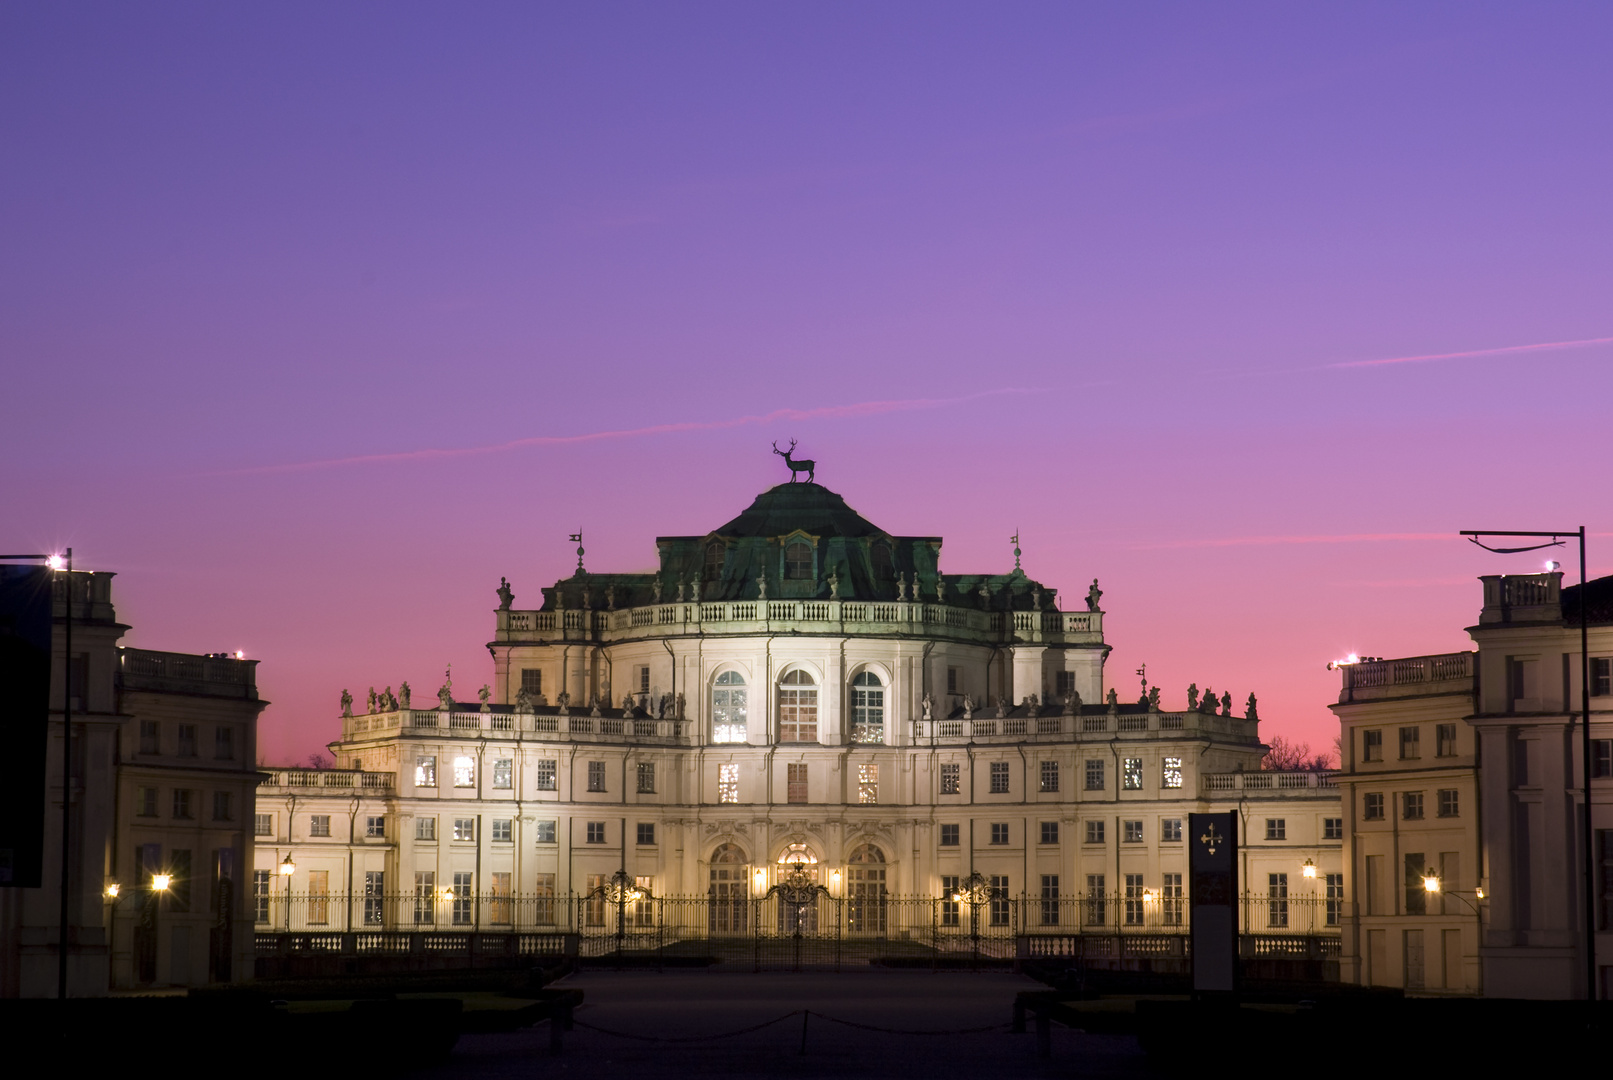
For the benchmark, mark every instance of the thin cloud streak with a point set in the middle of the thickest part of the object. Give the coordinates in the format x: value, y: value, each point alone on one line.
x: 1544, y: 346
x: 1263, y: 541
x: 862, y: 408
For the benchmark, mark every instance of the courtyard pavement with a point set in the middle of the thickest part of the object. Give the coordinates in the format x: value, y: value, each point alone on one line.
x: 944, y: 1008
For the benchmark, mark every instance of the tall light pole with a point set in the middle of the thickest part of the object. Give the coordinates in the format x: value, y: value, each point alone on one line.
x: 1588, y: 896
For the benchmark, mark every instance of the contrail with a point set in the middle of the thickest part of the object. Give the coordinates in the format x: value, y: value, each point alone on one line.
x: 1544, y: 346
x: 861, y: 408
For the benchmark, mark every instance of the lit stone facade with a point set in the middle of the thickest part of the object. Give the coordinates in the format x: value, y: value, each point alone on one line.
x: 797, y: 685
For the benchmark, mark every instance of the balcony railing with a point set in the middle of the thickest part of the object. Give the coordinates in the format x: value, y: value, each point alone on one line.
x: 327, y: 779
x: 1415, y: 672
x: 1270, y: 783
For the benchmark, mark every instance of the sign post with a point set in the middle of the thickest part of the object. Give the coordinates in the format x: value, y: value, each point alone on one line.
x: 1213, y: 869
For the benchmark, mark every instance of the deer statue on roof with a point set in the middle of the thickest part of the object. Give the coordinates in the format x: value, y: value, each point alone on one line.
x: 808, y: 467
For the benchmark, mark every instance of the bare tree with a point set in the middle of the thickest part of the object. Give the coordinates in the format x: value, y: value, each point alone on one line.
x: 1286, y: 756
x: 323, y: 761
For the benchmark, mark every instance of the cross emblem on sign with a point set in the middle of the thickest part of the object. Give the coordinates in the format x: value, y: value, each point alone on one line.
x: 1211, y: 838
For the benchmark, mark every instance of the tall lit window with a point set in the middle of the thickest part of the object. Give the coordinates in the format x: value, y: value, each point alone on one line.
x: 1276, y: 900
x: 1050, y: 899
x: 546, y: 774
x: 728, y: 783
x: 318, y: 897
x: 646, y: 778
x: 1133, y: 899
x: 462, y: 901
x: 464, y: 772
x: 798, y: 561
x: 949, y: 778
x: 374, y: 897
x: 1097, y: 900
x: 1170, y: 899
x: 950, y: 908
x: 796, y: 782
x: 425, y: 771
x: 504, y: 773
x: 464, y: 828
x: 1172, y: 774
x: 868, y: 783
x: 499, y: 908
x: 260, y: 895
x: 1334, y: 883
x: 865, y: 890
x: 728, y: 708
x: 1133, y: 773
x: 998, y: 907
x: 867, y: 708
x: 425, y: 897
x: 798, y: 708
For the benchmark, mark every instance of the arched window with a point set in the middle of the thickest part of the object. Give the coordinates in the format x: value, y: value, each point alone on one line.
x: 729, y: 904
x: 797, y: 708
x: 728, y: 708
x: 798, y: 561
x: 884, y: 567
x: 867, y: 708
x: 865, y: 890
x: 715, y: 554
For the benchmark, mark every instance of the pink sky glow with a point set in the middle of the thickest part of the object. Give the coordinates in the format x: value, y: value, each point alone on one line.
x: 317, y: 319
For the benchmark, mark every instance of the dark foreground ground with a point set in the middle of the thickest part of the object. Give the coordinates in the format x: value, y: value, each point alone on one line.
x: 945, y: 1007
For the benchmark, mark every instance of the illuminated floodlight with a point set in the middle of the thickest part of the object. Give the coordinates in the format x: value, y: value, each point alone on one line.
x: 56, y: 562
x: 1553, y: 564
x: 1430, y: 881
x: 240, y: 655
x: 1309, y: 869
x: 112, y: 890
x: 1346, y: 662
x: 160, y: 882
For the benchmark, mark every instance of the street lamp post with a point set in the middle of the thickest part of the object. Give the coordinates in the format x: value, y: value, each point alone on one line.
x: 1588, y: 894
x: 287, y: 868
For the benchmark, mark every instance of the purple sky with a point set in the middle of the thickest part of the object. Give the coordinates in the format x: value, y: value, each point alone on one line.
x: 1103, y: 274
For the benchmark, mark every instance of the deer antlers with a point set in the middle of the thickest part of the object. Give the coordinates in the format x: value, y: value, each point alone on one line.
x: 783, y: 453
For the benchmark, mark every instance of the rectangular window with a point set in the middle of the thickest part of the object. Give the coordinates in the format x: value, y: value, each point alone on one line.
x: 318, y: 897
x: 596, y: 832
x: 646, y: 778
x: 503, y: 831
x: 532, y: 681
x: 641, y: 677
x: 425, y: 771
x: 182, y: 804
x: 1411, y: 746
x: 1095, y: 832
x: 1094, y: 775
x: 187, y: 741
x: 868, y: 784
x: 1276, y: 828
x: 596, y: 776
x: 949, y: 778
x: 795, y: 782
x: 999, y: 832
x: 375, y: 827
x: 1411, y: 806
x: 1602, y: 757
x: 728, y: 783
x: 1063, y: 683
x: 224, y: 744
x: 223, y: 806
x: 464, y: 828
x: 1170, y: 831
x: 999, y: 777
x: 1333, y: 828
x: 1131, y: 832
x: 1601, y: 676
x: 464, y: 771
x: 1276, y: 900
x: 262, y: 824
x: 1334, y: 899
x: 1133, y: 899
x: 318, y: 825
x: 374, y: 897
x: 425, y: 897
x: 544, y: 831
x: 953, y: 681
x: 797, y: 711
x: 1171, y: 774
x: 1372, y: 746
x: 1050, y: 899
x: 1097, y: 901
x: 1134, y: 773
x: 1050, y: 776
x: 950, y: 908
x: 260, y: 895
x: 1372, y: 806
x: 1170, y: 899
x: 543, y: 900
x: 145, y: 801
x: 425, y: 828
x: 646, y: 833
x: 998, y: 884
x: 150, y: 737
x: 1050, y: 832
x: 1448, y: 804
x: 1416, y: 895
x: 1445, y: 740
x: 462, y: 899
x: 1525, y: 679
x: 547, y: 771
x: 949, y: 836
x: 504, y: 774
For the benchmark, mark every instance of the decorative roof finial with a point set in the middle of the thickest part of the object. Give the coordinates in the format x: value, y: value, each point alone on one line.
x: 576, y: 538
x: 1015, y: 541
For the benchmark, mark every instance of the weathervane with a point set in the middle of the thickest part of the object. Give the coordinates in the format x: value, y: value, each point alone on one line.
x: 1143, y: 672
x: 576, y: 538
x: 1015, y: 541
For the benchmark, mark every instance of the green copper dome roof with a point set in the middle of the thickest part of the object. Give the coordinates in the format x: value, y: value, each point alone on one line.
x: 811, y: 508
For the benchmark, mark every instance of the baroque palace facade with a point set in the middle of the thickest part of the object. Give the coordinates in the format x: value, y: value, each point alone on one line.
x: 796, y: 688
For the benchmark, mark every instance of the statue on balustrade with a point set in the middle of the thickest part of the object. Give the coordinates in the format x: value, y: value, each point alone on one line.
x: 1114, y: 701
x: 388, y: 702
x: 1002, y: 706
x: 627, y: 704
x: 372, y: 701
x: 445, y: 693
x: 1094, y: 594
x: 901, y: 586
x: 523, y: 700
x: 834, y: 587
x: 1207, y: 705
x: 405, y: 695
x: 655, y: 589
x: 593, y: 708
x: 968, y: 707
x: 1153, y: 699
x: 1072, y: 703
x: 1249, y: 712
x: 562, y: 702
x: 680, y: 592
x: 347, y: 703
x: 761, y: 585
x: 694, y: 588
x: 927, y: 704
x: 940, y: 589
x: 505, y: 596
x: 1033, y: 702
x: 677, y: 706
x: 1226, y: 704
x: 485, y: 694
x: 1192, y: 697
x: 610, y: 598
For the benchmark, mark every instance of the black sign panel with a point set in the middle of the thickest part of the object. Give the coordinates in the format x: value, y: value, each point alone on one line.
x: 25, y: 628
x: 1213, y: 871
